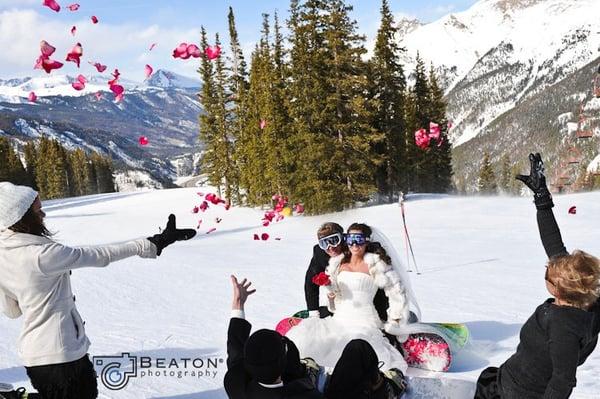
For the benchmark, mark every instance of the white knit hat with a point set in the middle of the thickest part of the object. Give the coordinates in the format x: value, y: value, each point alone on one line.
x: 14, y: 203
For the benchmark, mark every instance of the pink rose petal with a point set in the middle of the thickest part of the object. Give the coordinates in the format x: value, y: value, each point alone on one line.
x: 78, y: 85
x: 263, y: 124
x: 193, y: 51
x: 195, y: 209
x: 212, y: 52
x: 203, y: 206
x: 98, y: 95
x: 148, y: 71
x: 73, y: 30
x: 46, y: 48
x: 199, y: 223
x: 32, y: 97
x: 116, y: 75
x: 422, y: 139
x: 73, y: 7
x: 99, y: 67
x: 299, y: 208
x: 82, y: 79
x: 94, y: 19
x: 75, y: 54
x: 211, y: 230
x: 119, y: 98
x: 143, y: 140
x: 181, y: 51
x: 434, y: 131
x: 48, y: 65
x: 52, y: 4
x: 152, y: 46
x: 117, y: 89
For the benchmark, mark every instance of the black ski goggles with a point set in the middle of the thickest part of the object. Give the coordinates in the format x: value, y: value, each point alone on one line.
x: 356, y: 239
x: 330, y: 241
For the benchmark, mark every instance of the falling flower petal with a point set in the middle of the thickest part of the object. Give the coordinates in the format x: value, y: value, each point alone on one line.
x: 98, y: 95
x: 264, y: 236
x: 194, y: 209
x: 193, y: 51
x: 218, y: 220
x: 119, y: 98
x: 199, y: 223
x: 573, y: 210
x: 212, y: 52
x: 48, y: 65
x: 117, y: 89
x: 203, y: 206
x: 73, y: 7
x: 75, y: 54
x: 299, y: 208
x: 263, y: 124
x: 94, y: 19
x: 422, y: 138
x: 227, y: 206
x: 32, y: 97
x: 46, y: 48
x: 211, y: 230
x: 143, y: 140
x: 434, y: 131
x: 148, y: 71
x: 256, y: 237
x: 152, y: 46
x: 279, y: 218
x: 266, y: 223
x: 181, y: 51
x: 116, y: 75
x: 51, y: 4
x: 78, y: 85
x: 82, y: 79
x: 99, y: 67
x: 73, y: 30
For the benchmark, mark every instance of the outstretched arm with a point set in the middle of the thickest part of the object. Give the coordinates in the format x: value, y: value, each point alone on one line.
x: 548, y: 228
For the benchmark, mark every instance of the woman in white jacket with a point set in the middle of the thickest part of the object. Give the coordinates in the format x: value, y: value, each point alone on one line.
x: 35, y: 284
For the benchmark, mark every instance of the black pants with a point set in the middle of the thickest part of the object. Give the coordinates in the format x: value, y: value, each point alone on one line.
x: 73, y: 380
x: 488, y: 384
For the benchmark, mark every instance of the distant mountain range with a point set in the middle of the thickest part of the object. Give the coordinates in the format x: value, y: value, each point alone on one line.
x: 515, y: 74
x: 164, y: 109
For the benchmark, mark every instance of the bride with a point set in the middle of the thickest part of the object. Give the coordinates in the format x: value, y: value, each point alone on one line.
x: 356, y: 275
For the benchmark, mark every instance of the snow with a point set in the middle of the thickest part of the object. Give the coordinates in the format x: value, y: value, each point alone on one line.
x: 480, y: 258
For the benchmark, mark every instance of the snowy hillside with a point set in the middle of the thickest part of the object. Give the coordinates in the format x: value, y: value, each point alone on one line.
x: 480, y: 258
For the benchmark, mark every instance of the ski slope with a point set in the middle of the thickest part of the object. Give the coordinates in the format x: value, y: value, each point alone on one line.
x: 480, y: 258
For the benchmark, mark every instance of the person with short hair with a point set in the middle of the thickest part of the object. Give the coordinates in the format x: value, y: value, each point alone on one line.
x: 563, y: 331
x: 35, y: 283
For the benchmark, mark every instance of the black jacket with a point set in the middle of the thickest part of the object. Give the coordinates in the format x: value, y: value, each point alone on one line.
x: 240, y: 385
x: 554, y: 341
x: 318, y: 263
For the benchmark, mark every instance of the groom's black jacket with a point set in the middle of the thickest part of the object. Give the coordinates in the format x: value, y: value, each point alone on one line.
x: 240, y: 385
x: 318, y: 263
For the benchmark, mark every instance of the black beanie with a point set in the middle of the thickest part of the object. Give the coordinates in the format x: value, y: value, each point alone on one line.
x: 265, y: 356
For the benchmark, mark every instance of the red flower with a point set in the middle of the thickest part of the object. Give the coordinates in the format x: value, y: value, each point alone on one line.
x: 321, y: 279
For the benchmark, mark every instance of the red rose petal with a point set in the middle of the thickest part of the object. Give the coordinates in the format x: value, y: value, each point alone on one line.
x: 148, y: 71
x: 48, y: 65
x: 52, y: 4
x: 78, y: 85
x: 264, y: 236
x: 99, y: 67
x: 212, y: 52
x: 73, y: 30
x: 73, y: 7
x: 181, y: 51
x: 256, y: 237
x: 94, y: 19
x: 143, y: 140
x: 46, y: 48
x: 573, y: 210
x: 75, y: 54
x: 32, y: 97
x: 193, y: 51
x: 262, y: 124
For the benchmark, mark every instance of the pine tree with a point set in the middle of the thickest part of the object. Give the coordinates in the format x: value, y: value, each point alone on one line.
x: 441, y: 153
x: 389, y: 88
x: 31, y: 155
x: 78, y: 162
x: 11, y: 167
x: 504, y: 182
x: 487, y: 178
x: 56, y: 172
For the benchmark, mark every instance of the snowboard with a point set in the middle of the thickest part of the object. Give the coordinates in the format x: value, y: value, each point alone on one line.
x: 430, y: 346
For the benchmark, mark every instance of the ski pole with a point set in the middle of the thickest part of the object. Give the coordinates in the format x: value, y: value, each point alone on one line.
x: 408, y: 237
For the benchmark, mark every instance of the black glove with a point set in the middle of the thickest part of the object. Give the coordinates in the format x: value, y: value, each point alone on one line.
x: 169, y: 235
x: 536, y: 181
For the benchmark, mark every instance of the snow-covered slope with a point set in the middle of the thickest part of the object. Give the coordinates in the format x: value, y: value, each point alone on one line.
x: 480, y: 258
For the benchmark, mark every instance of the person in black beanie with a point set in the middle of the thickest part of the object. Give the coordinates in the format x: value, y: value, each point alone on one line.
x: 563, y: 331
x: 264, y: 365
x: 331, y: 243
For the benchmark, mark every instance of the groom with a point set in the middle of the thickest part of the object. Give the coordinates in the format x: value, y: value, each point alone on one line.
x: 331, y: 243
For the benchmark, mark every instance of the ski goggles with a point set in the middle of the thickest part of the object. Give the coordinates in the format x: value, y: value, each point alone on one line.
x: 356, y: 239
x: 332, y: 241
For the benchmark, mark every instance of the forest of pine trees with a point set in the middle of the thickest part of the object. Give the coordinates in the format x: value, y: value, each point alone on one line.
x: 311, y: 118
x: 54, y: 171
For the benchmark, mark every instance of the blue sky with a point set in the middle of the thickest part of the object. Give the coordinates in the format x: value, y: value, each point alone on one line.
x: 127, y: 28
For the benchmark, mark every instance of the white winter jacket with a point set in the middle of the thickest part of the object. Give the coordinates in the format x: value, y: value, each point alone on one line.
x: 35, y: 283
x: 387, y: 279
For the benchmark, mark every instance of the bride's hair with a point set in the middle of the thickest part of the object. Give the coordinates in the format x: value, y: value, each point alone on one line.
x: 372, y: 246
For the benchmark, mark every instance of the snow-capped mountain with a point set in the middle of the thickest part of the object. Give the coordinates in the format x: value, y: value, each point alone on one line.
x: 164, y: 109
x: 498, y: 57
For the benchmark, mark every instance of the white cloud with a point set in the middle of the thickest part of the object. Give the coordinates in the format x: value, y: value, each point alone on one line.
x: 443, y: 9
x: 118, y: 46
x: 18, y: 3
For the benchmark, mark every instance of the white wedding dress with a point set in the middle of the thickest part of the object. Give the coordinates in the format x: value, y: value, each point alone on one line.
x: 355, y: 317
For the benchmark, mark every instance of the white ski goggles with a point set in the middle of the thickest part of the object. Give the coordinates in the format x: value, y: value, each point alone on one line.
x: 332, y: 241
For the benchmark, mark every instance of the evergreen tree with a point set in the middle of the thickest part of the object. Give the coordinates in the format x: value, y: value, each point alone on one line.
x: 506, y: 177
x: 78, y: 162
x: 31, y: 155
x: 11, y: 167
x: 56, y: 172
x: 441, y: 152
x: 487, y: 178
x: 389, y: 88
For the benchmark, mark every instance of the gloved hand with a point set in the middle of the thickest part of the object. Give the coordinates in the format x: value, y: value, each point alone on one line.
x: 536, y: 181
x: 169, y: 235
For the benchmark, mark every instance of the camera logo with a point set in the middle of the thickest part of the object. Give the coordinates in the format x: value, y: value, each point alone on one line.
x: 115, y: 371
